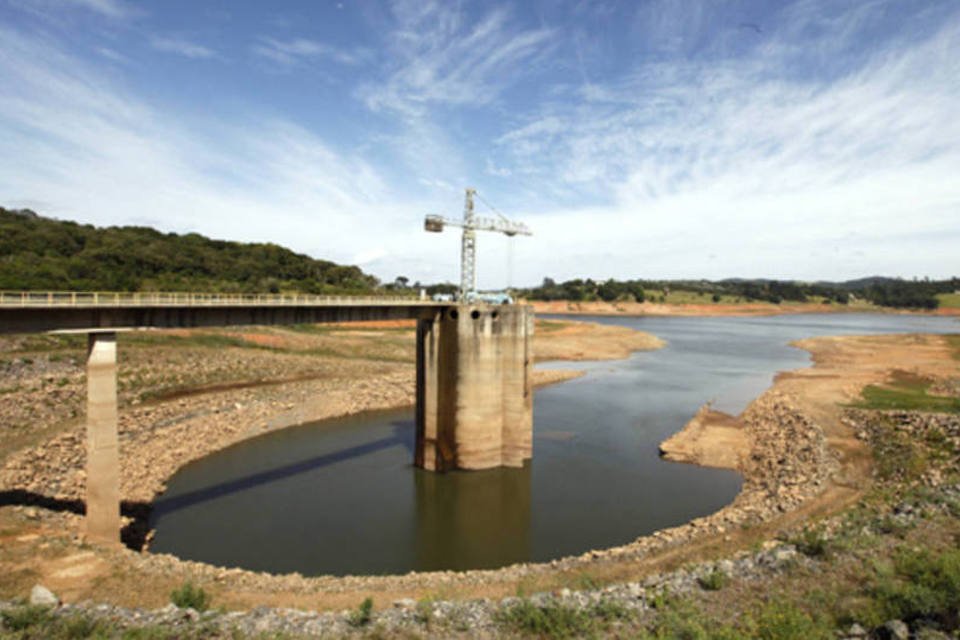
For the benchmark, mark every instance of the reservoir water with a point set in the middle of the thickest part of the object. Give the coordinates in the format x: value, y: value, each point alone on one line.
x: 341, y: 496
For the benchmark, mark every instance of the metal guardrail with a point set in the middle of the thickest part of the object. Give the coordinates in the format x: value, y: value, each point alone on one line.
x: 42, y: 299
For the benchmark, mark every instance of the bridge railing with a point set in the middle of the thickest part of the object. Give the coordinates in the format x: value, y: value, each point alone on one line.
x: 146, y: 299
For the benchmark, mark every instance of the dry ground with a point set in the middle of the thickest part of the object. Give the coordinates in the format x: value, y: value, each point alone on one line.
x: 37, y: 549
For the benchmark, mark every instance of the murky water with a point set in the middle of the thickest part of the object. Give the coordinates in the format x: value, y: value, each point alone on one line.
x: 341, y: 496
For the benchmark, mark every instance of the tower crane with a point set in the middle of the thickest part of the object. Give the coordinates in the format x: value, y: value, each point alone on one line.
x: 468, y: 247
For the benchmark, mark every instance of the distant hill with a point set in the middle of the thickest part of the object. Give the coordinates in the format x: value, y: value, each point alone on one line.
x: 882, y: 291
x: 38, y: 253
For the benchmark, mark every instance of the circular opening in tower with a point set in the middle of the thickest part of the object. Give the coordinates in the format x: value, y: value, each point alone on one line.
x: 474, y: 314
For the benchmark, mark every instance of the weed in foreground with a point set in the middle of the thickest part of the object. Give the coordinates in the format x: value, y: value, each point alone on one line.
x: 362, y: 615
x: 713, y: 581
x: 556, y: 620
x: 189, y: 596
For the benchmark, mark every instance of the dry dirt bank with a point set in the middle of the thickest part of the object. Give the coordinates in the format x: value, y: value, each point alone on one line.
x: 599, y: 308
x: 184, y: 395
x: 799, y: 461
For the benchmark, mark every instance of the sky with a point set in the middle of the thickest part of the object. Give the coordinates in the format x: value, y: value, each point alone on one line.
x: 815, y: 139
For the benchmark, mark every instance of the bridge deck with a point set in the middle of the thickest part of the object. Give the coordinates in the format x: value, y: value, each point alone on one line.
x: 30, y: 311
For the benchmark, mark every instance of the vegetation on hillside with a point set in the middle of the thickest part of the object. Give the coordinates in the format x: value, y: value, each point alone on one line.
x: 38, y: 253
x: 887, y: 292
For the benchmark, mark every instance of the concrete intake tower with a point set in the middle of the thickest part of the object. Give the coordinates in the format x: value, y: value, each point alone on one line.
x: 474, y: 395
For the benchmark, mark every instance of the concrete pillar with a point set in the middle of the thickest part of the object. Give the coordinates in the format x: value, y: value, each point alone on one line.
x: 103, y: 460
x: 474, y: 399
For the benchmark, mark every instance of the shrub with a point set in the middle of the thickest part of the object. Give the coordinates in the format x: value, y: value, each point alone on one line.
x: 362, y: 615
x: 189, y: 596
x: 924, y: 586
x: 25, y: 617
x: 560, y: 621
x: 784, y: 621
x: 713, y: 581
x: 812, y: 543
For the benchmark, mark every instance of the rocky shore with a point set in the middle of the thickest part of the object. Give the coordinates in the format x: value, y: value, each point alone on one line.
x: 634, y: 603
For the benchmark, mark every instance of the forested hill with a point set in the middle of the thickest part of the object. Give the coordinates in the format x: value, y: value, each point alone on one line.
x: 886, y: 292
x: 38, y: 253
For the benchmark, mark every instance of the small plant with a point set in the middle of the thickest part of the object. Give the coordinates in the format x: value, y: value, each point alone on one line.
x: 362, y: 615
x: 813, y: 544
x: 25, y: 617
x: 550, y: 621
x: 424, y: 611
x: 189, y: 596
x: 713, y: 581
x: 785, y: 621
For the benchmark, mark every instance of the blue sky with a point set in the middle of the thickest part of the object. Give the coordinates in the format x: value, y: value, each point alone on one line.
x: 817, y: 139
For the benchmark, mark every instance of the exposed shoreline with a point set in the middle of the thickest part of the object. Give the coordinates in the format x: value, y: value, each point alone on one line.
x: 826, y: 470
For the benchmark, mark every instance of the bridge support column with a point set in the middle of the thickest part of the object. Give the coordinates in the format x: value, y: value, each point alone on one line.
x: 103, y: 459
x: 474, y: 396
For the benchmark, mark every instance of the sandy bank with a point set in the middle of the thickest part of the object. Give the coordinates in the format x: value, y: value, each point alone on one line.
x: 710, y: 439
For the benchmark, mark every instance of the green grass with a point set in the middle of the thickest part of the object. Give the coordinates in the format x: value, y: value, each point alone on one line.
x: 189, y: 596
x: 906, y: 392
x: 949, y: 300
x: 45, y: 342
x: 713, y: 581
x: 211, y: 340
x: 689, y: 297
x: 555, y: 620
x: 549, y: 326
x: 954, y: 342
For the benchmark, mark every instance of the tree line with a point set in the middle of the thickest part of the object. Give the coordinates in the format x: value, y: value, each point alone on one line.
x: 38, y: 253
x: 887, y: 292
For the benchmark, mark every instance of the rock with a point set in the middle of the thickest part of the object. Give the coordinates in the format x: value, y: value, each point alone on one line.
x: 40, y: 596
x: 927, y: 633
x: 894, y: 630
x: 405, y: 603
x: 856, y: 631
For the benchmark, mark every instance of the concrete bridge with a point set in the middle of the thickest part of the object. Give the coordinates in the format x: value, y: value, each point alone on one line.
x: 474, y: 400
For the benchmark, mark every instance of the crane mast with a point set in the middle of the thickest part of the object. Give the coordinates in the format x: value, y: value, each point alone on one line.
x: 468, y: 245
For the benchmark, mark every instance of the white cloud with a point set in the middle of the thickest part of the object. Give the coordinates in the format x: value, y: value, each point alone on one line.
x: 296, y: 51
x: 438, y: 57
x: 673, y: 168
x: 94, y: 152
x: 775, y: 176
x: 111, y: 54
x: 56, y: 11
x: 182, y: 47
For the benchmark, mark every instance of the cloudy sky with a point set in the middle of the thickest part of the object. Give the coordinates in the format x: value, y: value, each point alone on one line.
x: 816, y: 139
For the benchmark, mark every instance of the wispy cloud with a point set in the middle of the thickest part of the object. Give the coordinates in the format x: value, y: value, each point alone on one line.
x: 822, y: 145
x: 109, y: 8
x: 773, y: 172
x: 52, y: 10
x: 93, y: 151
x: 182, y: 47
x: 439, y: 57
x: 289, y: 53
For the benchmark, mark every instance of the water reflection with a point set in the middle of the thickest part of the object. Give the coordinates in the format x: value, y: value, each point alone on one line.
x: 342, y: 497
x: 472, y: 519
